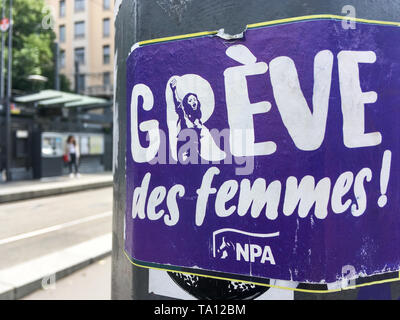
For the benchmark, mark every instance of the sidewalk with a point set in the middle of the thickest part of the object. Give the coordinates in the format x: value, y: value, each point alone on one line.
x: 90, y: 283
x: 19, y: 281
x: 23, y: 190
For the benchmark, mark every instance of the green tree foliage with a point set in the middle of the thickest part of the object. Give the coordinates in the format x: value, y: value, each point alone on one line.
x: 33, y: 40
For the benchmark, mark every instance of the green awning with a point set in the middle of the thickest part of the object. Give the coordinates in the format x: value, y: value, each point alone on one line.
x: 53, y: 98
x: 42, y: 95
x: 85, y: 101
x: 64, y: 98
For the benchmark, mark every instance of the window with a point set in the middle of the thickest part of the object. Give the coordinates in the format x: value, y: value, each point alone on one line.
x: 106, y: 4
x: 62, y: 33
x: 79, y: 29
x: 106, y: 54
x: 80, y: 55
x: 79, y: 5
x: 106, y: 27
x: 21, y: 147
x: 81, y: 83
x: 62, y: 8
x: 62, y: 59
x: 106, y: 79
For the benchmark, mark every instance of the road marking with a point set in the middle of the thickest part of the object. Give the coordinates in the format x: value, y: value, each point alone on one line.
x: 54, y: 228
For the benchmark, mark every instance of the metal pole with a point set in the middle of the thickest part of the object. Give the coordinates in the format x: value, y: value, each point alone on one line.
x: 132, y: 25
x: 8, y: 100
x: 57, y: 66
x: 2, y: 56
x: 2, y: 69
x: 76, y: 76
x: 10, y: 36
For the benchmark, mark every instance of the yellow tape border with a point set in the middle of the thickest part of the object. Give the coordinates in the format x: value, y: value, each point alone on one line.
x: 263, y: 284
x: 271, y: 23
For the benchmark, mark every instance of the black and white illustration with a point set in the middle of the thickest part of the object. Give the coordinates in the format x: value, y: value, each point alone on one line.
x: 190, y: 103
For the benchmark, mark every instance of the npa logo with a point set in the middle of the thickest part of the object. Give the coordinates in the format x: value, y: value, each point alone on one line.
x: 243, y: 246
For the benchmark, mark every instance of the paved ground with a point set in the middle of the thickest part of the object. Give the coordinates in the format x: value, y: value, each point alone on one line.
x: 90, y: 283
x: 26, y: 190
x: 33, y: 228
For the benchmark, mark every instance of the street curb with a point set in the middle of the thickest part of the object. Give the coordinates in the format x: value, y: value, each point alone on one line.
x: 12, y: 287
x: 46, y: 192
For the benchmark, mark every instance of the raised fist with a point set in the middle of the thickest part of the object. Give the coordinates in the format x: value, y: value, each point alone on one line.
x: 173, y: 84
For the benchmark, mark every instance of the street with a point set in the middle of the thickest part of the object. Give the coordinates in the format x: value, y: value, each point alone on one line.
x: 34, y: 228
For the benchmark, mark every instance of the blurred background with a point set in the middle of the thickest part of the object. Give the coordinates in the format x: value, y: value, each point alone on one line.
x: 56, y: 105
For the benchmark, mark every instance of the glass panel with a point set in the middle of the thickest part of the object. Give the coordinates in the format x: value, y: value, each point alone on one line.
x: 79, y: 5
x: 106, y: 4
x: 62, y: 59
x: 106, y: 79
x: 106, y: 54
x: 79, y: 29
x: 62, y: 8
x: 80, y: 55
x: 106, y: 27
x: 62, y: 33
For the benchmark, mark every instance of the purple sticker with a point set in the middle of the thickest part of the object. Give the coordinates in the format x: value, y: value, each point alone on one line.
x: 272, y: 156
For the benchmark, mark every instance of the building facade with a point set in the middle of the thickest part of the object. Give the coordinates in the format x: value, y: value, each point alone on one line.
x: 85, y: 33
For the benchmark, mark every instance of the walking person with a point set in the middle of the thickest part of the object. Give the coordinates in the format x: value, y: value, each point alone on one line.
x: 72, y: 151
